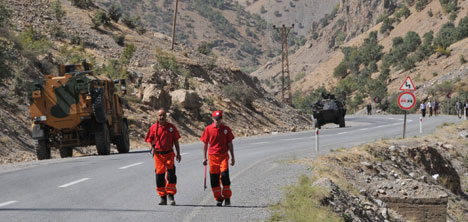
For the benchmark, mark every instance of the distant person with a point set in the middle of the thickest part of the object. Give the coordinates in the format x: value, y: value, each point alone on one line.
x: 422, y: 106
x: 466, y: 107
x: 161, y: 137
x: 458, y: 108
x: 429, y: 106
x: 436, y: 108
x: 369, y: 109
x: 219, y: 138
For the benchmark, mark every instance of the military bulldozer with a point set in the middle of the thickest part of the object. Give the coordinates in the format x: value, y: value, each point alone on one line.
x: 77, y: 108
x: 328, y: 110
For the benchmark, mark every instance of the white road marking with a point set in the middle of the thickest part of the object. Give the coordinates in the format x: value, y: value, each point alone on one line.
x: 363, y: 129
x: 183, y: 154
x: 258, y: 143
x: 341, y: 133
x: 8, y: 203
x: 74, y: 182
x: 131, y: 165
x: 295, y: 139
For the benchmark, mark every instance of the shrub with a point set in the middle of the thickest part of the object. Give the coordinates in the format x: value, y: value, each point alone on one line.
x: 82, y: 3
x: 75, y: 40
x: 245, y: 95
x: 100, y: 18
x: 35, y: 41
x: 127, y: 54
x: 130, y: 21
x: 446, y: 35
x: 119, y: 39
x: 403, y: 12
x: 430, y: 13
x: 462, y: 59
x: 57, y: 10
x: 114, y: 13
x: 140, y: 30
x: 421, y: 4
x: 54, y: 30
x: 387, y: 25
x: 4, y: 13
x: 462, y: 29
x: 449, y: 5
x: 204, y: 48
x: 299, y: 76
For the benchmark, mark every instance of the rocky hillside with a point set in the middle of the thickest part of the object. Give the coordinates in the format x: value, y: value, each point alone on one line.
x: 314, y: 65
x: 415, y: 179
x: 301, y: 13
x: 229, y: 27
x: 190, y: 83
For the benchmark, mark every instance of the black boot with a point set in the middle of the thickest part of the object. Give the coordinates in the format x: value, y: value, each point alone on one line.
x: 171, y: 200
x: 227, y: 202
x: 219, y: 203
x: 163, y: 200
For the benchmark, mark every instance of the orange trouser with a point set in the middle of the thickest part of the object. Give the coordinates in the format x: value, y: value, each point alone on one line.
x: 163, y: 163
x: 219, y: 171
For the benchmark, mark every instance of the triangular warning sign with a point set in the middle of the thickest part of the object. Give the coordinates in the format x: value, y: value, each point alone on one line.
x: 408, y: 85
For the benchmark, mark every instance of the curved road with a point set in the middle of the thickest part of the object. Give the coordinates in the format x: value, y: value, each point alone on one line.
x: 122, y: 187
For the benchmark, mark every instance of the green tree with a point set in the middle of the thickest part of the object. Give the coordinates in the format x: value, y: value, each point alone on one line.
x: 462, y: 29
x: 412, y: 41
x: 446, y: 35
x: 370, y: 50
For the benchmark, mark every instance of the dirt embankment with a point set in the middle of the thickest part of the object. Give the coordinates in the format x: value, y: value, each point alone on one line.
x: 415, y: 179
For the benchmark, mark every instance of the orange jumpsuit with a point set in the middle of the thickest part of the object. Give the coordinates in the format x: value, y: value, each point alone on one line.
x: 163, y: 138
x: 218, y: 138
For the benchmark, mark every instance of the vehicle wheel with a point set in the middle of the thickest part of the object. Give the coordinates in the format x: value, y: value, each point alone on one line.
x: 317, y: 123
x: 123, y: 141
x: 102, y: 139
x: 342, y: 121
x: 42, y: 150
x: 66, y: 152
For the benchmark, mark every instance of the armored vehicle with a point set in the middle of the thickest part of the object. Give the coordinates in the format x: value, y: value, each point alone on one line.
x: 77, y: 108
x: 328, y: 110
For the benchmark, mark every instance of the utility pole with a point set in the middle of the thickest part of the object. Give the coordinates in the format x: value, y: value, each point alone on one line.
x: 285, y: 87
x: 174, y: 24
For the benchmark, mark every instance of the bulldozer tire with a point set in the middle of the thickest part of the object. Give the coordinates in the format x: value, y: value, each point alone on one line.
x: 42, y: 150
x: 102, y: 139
x: 342, y: 121
x: 123, y: 140
x: 66, y: 152
x: 316, y: 123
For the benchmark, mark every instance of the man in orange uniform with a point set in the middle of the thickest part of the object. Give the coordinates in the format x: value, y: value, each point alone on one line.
x: 219, y: 137
x: 161, y: 137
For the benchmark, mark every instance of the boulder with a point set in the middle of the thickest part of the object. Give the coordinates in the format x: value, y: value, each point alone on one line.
x: 155, y: 96
x: 189, y: 99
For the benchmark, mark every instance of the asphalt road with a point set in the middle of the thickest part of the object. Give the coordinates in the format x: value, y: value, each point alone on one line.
x: 122, y: 187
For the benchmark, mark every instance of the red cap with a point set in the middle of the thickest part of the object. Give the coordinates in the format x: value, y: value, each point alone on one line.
x: 218, y: 114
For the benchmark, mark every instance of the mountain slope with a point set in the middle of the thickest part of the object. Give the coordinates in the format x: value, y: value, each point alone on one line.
x: 188, y: 83
x: 322, y: 53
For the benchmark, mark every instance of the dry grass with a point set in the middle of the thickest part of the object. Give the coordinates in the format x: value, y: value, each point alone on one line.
x: 302, y: 203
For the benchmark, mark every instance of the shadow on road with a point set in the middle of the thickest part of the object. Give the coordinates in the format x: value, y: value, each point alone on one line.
x: 194, y: 205
x: 73, y: 209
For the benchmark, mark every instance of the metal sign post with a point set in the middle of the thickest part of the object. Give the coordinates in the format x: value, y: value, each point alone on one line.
x: 406, y: 101
x: 404, y: 126
x: 420, y: 124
